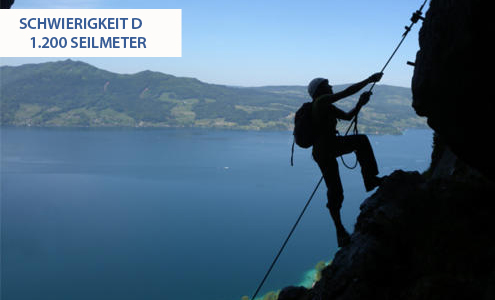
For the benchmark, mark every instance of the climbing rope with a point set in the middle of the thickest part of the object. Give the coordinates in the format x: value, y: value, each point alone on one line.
x: 287, y: 239
x: 342, y: 157
x: 414, y: 19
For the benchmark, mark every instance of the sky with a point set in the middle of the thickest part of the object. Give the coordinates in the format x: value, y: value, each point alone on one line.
x: 258, y: 43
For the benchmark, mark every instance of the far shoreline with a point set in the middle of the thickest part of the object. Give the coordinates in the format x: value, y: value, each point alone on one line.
x: 214, y: 129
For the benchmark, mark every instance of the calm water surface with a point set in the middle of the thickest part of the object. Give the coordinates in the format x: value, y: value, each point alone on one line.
x: 168, y: 214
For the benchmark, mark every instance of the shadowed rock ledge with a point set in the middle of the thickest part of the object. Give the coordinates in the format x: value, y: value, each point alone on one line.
x: 418, y: 238
x: 430, y: 236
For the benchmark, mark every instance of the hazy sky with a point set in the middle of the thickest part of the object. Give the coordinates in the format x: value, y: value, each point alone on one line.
x: 253, y: 43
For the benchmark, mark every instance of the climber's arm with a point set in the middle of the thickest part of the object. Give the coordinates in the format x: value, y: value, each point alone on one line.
x: 356, y: 87
x: 340, y: 114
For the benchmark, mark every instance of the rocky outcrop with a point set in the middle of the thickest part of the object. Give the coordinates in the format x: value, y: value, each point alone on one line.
x: 452, y: 79
x: 6, y: 4
x: 430, y: 236
x: 418, y: 238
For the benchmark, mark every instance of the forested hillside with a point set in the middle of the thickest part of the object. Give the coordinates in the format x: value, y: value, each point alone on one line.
x: 74, y: 93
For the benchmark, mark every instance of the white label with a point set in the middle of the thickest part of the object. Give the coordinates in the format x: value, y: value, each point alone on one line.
x: 90, y: 33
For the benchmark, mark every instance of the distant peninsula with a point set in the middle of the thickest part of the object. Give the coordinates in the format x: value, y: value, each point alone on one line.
x: 75, y: 94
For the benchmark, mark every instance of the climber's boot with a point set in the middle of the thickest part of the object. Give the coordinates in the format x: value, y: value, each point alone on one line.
x: 371, y: 182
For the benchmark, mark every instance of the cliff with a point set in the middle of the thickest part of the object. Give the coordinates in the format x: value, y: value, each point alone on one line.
x: 451, y: 84
x: 430, y: 236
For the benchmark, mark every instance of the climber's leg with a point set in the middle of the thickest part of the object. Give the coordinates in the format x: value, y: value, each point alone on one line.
x: 364, y: 154
x: 335, y: 194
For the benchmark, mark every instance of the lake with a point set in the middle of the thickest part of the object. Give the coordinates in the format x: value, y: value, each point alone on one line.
x: 175, y: 214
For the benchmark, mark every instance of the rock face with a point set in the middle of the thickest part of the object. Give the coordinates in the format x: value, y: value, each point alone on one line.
x: 6, y: 4
x: 418, y: 238
x: 430, y: 236
x: 451, y: 84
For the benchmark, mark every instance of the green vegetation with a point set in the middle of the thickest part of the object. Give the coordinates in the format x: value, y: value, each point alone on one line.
x: 318, y: 268
x: 73, y: 93
x: 272, y: 295
x: 314, y: 276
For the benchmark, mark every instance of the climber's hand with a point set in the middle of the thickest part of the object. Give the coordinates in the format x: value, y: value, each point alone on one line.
x: 364, y: 98
x: 375, y: 77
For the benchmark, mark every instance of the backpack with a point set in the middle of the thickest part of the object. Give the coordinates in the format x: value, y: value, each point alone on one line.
x: 303, y: 128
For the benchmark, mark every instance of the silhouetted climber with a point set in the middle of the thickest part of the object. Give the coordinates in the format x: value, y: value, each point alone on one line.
x: 328, y: 145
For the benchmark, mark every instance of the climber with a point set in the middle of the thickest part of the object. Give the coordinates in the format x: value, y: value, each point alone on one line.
x: 328, y: 145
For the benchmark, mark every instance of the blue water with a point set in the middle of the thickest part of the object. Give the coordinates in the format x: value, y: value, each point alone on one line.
x: 168, y: 214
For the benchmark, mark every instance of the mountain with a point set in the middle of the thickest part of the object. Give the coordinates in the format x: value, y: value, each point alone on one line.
x: 74, y: 93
